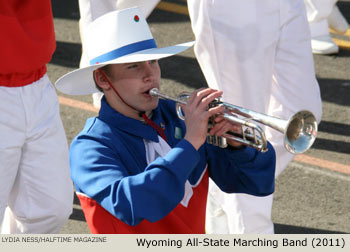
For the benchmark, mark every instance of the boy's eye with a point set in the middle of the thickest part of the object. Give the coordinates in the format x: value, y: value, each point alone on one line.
x: 132, y: 66
x: 152, y: 61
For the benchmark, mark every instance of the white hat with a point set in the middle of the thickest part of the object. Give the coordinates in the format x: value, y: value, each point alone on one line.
x: 117, y: 37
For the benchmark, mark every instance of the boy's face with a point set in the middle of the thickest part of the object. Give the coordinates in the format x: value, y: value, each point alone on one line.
x: 133, y: 82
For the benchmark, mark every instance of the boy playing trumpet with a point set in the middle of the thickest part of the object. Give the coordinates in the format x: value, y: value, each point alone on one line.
x: 137, y: 167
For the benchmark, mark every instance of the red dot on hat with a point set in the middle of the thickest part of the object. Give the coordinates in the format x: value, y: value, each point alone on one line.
x: 136, y: 18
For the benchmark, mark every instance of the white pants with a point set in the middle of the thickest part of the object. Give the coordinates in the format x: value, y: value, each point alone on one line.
x: 317, y: 13
x: 258, y: 52
x: 36, y: 193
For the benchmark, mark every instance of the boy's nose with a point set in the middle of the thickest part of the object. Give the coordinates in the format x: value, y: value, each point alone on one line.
x: 149, y: 71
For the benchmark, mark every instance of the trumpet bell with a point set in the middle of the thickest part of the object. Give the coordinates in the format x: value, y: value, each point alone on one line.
x: 301, y: 132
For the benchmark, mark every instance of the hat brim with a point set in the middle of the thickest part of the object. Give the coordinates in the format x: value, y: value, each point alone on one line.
x: 80, y: 81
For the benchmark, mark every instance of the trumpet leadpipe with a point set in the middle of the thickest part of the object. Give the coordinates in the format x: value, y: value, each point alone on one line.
x: 154, y: 92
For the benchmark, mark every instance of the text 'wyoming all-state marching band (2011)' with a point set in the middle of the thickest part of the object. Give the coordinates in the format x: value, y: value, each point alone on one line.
x: 240, y: 242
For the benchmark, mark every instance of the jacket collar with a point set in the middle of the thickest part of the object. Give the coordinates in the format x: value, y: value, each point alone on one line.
x: 129, y: 125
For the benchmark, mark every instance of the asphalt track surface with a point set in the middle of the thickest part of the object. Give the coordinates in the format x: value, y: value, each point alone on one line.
x: 312, y: 194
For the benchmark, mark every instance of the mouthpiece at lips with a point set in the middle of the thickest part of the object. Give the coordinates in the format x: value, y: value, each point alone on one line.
x: 153, y: 92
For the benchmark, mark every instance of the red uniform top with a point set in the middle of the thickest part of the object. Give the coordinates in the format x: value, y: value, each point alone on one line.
x: 181, y: 220
x: 27, y: 41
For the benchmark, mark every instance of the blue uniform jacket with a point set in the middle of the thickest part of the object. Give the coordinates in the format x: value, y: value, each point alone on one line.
x: 108, y: 164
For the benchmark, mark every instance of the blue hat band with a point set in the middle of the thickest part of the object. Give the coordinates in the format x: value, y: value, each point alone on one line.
x: 125, y: 50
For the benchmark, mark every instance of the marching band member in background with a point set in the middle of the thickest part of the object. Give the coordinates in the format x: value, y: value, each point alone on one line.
x: 258, y: 53
x: 321, y: 15
x: 36, y: 193
x: 137, y: 167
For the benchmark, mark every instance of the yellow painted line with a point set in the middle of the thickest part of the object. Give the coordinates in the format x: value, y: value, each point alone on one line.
x: 171, y: 7
x: 334, y: 166
x: 302, y: 158
x: 347, y: 33
x: 343, y: 44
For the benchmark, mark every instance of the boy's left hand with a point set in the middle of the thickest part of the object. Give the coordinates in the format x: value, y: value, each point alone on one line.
x: 222, y: 126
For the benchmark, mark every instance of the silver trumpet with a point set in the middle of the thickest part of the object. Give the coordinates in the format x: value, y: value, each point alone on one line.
x: 299, y: 131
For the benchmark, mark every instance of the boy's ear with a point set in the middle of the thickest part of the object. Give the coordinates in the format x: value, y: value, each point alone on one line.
x: 101, y: 80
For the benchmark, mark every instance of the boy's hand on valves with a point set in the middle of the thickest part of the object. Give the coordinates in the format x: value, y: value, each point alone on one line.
x: 197, y: 115
x: 222, y: 126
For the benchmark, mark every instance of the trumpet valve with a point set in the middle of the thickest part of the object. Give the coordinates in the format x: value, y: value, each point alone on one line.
x: 217, y: 141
